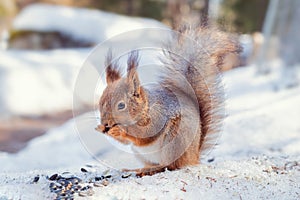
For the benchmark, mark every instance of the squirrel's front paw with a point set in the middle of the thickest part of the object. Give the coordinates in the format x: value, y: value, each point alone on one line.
x: 114, y: 132
x: 101, y: 128
x: 118, y: 134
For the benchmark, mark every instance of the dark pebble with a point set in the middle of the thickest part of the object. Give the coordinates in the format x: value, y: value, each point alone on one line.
x: 71, y: 191
x: 52, y: 185
x: 82, y: 194
x: 56, y: 190
x: 62, y: 194
x: 211, y: 160
x: 62, y: 182
x: 74, y: 180
x: 85, y: 188
x: 63, y: 198
x: 108, y: 176
x: 56, y: 185
x: 77, y: 187
x: 97, y: 178
x: 87, y: 192
x: 98, y: 184
x: 67, y: 175
x: 67, y: 197
x: 126, y: 175
x: 36, y: 179
x: 65, y: 186
x: 83, y: 170
x: 105, y: 182
x: 53, y: 177
x: 68, y: 182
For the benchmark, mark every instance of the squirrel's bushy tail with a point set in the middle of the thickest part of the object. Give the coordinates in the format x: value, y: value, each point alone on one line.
x: 198, y: 54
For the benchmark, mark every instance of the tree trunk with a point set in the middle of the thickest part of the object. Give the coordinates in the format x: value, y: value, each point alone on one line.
x: 204, y: 13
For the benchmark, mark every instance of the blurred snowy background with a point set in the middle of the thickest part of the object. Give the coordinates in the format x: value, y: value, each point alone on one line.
x: 44, y: 44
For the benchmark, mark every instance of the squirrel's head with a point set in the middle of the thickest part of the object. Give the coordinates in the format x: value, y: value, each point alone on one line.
x: 124, y: 101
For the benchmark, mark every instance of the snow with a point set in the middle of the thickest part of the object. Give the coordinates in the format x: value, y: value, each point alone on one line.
x: 83, y: 24
x: 34, y: 83
x: 257, y: 157
x: 4, y: 39
x: 42, y: 82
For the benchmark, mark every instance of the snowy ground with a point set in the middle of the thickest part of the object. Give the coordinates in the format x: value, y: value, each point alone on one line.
x: 258, y: 156
x: 34, y: 83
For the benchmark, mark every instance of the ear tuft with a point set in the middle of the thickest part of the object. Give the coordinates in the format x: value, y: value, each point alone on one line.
x: 112, y: 69
x: 132, y: 76
x: 133, y: 61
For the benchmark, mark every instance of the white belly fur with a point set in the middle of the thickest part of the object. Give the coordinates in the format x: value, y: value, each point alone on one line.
x: 150, y: 153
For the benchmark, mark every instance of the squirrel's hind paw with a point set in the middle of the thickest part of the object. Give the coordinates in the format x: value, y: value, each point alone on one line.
x: 146, y: 171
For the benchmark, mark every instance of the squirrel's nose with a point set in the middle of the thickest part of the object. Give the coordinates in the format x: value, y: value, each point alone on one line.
x: 107, y: 122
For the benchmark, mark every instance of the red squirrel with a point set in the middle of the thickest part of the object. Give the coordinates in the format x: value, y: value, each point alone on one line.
x: 173, y: 134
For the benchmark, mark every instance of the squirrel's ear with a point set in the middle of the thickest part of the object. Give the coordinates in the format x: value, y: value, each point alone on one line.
x: 112, y: 69
x: 132, y: 76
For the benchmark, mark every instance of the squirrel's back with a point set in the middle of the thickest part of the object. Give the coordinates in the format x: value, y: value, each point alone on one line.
x: 197, y: 54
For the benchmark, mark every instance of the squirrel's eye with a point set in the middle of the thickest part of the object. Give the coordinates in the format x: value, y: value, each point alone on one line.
x: 121, y: 106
